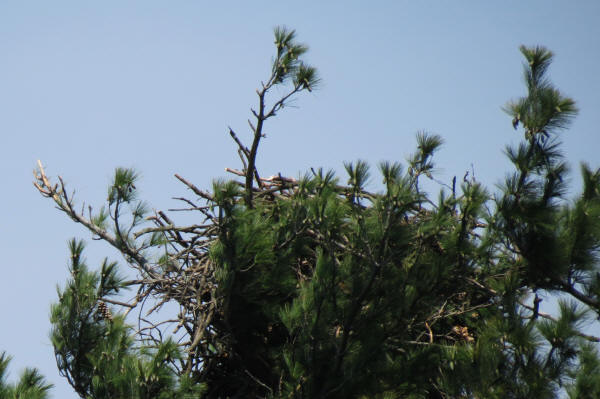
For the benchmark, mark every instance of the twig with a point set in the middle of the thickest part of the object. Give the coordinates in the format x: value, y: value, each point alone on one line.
x: 195, y: 189
x: 547, y: 316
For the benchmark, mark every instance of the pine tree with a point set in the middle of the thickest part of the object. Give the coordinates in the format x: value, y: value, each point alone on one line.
x: 318, y: 288
x: 31, y: 384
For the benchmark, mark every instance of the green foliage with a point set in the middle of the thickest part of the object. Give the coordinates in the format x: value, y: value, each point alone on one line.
x: 31, y: 385
x: 313, y: 289
x: 587, y: 375
x: 544, y: 109
x: 346, y: 293
x: 287, y: 64
x: 123, y: 186
x: 95, y: 349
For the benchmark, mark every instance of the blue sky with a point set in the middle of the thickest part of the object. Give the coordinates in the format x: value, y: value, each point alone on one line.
x: 89, y: 86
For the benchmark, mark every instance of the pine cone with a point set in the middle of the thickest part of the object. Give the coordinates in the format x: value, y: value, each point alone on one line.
x: 104, y: 311
x: 463, y: 333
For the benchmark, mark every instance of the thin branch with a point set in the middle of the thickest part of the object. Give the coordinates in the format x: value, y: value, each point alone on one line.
x: 65, y: 204
x: 115, y: 302
x: 242, y: 147
x: 195, y: 189
x: 547, y: 316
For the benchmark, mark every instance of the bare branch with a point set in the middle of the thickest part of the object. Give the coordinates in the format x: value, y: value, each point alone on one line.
x: 195, y: 189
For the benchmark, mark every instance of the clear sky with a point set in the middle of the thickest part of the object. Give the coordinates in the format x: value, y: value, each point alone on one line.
x: 89, y: 86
